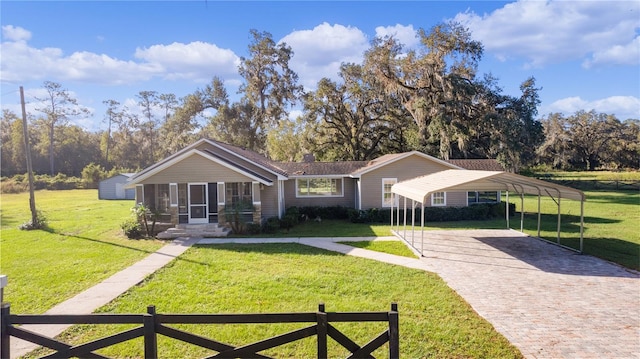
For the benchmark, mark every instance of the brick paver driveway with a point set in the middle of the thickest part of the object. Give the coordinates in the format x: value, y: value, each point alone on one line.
x: 548, y: 301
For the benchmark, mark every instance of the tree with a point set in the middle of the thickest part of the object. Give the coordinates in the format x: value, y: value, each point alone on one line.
x: 148, y: 100
x: 11, y: 144
x: 112, y: 116
x: 288, y: 142
x: 270, y: 85
x: 590, y: 140
x: 352, y: 120
x: 434, y: 83
x: 513, y: 131
x: 58, y: 106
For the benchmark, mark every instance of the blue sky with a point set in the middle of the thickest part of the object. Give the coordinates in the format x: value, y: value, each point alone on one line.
x: 584, y: 54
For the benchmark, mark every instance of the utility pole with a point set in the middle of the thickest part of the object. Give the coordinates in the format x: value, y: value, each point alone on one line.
x: 27, y: 152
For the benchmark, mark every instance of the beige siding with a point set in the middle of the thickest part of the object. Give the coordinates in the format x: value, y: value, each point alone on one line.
x: 347, y: 200
x: 196, y: 169
x: 404, y: 169
x: 269, y: 200
x: 456, y: 199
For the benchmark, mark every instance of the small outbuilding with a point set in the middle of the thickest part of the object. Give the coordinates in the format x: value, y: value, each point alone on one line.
x: 114, y: 187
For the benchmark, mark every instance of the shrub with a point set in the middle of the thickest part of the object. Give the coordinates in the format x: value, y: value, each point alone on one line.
x: 332, y: 212
x: 271, y: 225
x: 294, y: 213
x: 288, y: 221
x: 92, y: 174
x: 433, y: 214
x: 40, y: 223
x: 253, y: 228
x: 131, y: 228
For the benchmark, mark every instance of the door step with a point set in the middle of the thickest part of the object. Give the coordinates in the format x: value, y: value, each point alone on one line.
x: 207, y: 230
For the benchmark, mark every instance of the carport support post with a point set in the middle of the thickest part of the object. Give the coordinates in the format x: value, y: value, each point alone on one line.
x: 522, y: 212
x: 404, y: 235
x: 391, y: 213
x: 422, y: 228
x: 507, y: 209
x: 559, y: 219
x: 581, y: 222
x: 413, y: 220
x: 538, y: 213
x: 398, y: 216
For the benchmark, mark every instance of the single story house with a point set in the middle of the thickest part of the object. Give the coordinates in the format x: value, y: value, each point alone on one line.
x: 208, y: 180
x: 114, y: 187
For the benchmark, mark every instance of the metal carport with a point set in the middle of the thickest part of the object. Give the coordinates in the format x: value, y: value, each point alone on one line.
x: 419, y: 189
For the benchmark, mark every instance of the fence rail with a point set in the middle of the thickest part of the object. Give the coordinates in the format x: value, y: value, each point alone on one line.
x: 153, y: 323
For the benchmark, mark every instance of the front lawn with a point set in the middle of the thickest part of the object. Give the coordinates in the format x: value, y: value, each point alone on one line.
x: 434, y: 321
x: 83, y: 245
x: 397, y: 248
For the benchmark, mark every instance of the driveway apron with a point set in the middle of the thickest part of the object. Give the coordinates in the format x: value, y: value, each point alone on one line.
x: 546, y: 300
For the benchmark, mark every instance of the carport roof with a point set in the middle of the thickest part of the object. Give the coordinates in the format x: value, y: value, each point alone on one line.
x: 420, y: 188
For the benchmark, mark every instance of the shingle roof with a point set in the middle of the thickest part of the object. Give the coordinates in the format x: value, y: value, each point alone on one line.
x: 252, y: 156
x: 345, y: 167
x: 479, y: 165
x: 321, y: 168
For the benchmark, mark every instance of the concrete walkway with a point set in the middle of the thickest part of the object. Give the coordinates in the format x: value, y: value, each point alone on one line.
x: 104, y: 292
x: 547, y: 301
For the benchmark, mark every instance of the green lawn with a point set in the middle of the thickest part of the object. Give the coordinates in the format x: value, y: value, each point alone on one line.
x: 82, y: 246
x: 434, y: 321
x: 610, y: 224
x: 392, y: 247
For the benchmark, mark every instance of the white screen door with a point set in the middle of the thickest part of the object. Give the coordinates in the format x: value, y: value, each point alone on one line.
x: 198, y: 212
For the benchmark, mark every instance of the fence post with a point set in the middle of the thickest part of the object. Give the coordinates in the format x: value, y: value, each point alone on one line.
x: 5, y: 350
x: 322, y: 331
x: 150, y: 339
x: 394, y: 333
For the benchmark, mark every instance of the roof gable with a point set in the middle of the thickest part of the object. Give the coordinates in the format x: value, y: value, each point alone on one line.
x: 391, y: 158
x: 159, y: 167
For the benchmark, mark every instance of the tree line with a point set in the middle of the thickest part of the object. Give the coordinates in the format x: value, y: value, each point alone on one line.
x: 430, y: 98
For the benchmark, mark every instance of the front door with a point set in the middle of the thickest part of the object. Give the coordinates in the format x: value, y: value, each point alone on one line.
x: 198, y: 209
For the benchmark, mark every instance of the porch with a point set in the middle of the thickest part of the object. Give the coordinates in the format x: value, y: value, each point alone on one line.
x: 202, y: 202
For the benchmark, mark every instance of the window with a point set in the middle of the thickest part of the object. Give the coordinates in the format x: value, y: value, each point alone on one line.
x: 162, y: 198
x: 173, y: 194
x: 239, y: 194
x: 319, y: 187
x: 439, y: 199
x: 387, y: 195
x: 482, y: 197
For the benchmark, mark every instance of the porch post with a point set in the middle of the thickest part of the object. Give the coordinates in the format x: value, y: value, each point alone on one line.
x: 221, y: 201
x: 257, y: 204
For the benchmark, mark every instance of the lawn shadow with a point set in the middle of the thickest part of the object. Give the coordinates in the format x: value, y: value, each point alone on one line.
x: 270, y: 248
x: 547, y: 257
x: 120, y: 245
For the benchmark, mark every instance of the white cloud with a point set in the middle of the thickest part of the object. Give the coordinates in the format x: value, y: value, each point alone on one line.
x: 545, y: 32
x: 405, y: 34
x: 628, y: 54
x: 15, y: 33
x: 197, y: 61
x: 623, y: 107
x: 319, y: 52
